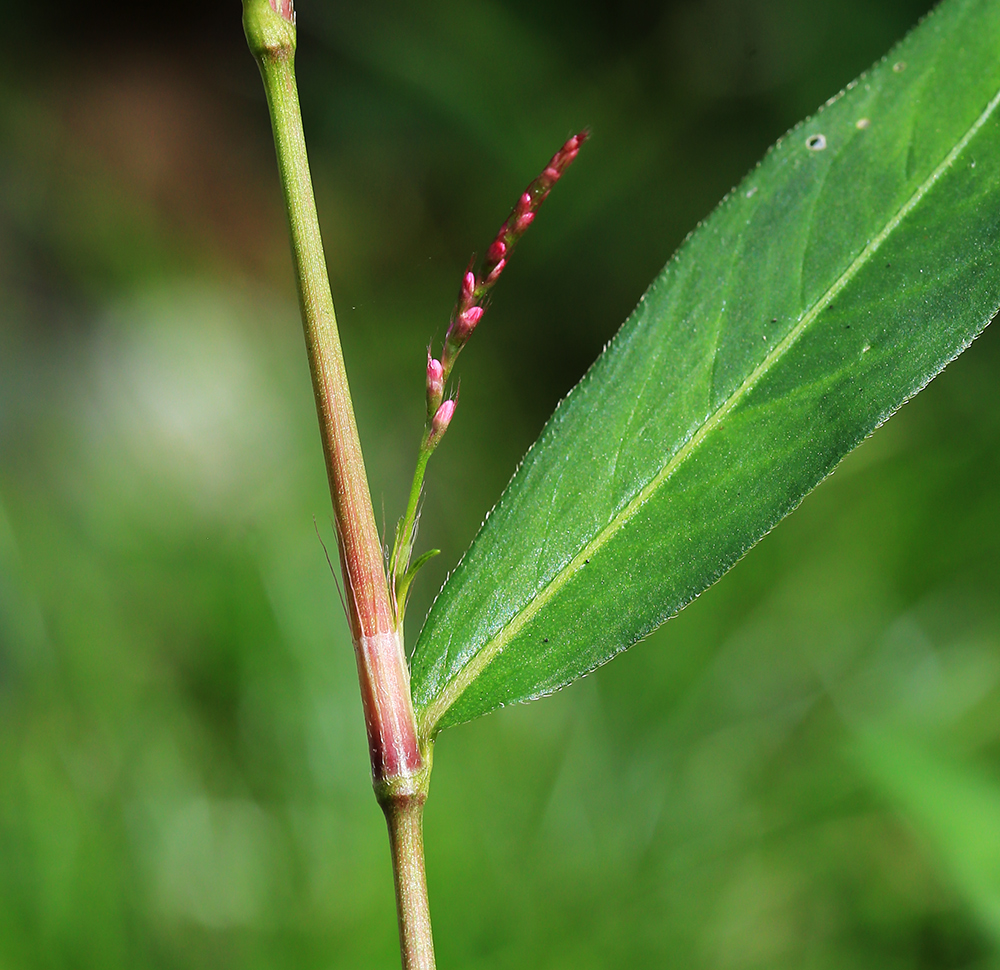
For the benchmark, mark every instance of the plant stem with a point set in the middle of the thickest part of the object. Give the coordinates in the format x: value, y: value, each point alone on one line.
x: 405, y: 819
x: 381, y: 662
x: 399, y: 768
x: 402, y: 549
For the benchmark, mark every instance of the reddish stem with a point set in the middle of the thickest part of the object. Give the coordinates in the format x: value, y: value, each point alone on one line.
x: 382, y: 667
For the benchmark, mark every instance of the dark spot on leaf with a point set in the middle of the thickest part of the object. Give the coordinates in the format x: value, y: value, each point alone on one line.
x: 545, y: 639
x: 816, y: 143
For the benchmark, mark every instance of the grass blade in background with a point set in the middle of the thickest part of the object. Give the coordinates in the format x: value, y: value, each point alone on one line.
x: 954, y: 809
x: 829, y: 287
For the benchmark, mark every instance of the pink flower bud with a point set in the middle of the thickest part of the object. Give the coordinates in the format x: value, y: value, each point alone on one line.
x: 435, y: 383
x: 523, y: 203
x: 468, y: 287
x: 523, y: 221
x: 471, y: 317
x: 497, y: 251
x: 440, y: 421
x: 568, y: 152
x: 561, y: 162
x: 495, y: 272
x: 551, y: 173
x: 463, y: 325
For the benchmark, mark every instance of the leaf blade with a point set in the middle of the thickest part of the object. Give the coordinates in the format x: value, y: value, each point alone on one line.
x: 624, y: 510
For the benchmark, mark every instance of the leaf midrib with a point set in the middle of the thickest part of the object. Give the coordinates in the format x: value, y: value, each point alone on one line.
x: 458, y: 684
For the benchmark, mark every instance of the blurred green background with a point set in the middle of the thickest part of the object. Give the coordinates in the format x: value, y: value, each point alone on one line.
x: 802, y: 770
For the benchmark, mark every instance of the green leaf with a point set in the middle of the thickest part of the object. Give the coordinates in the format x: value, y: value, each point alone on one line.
x: 846, y: 270
x: 403, y: 590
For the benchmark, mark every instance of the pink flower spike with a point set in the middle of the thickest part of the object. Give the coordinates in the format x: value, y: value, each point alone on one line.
x: 474, y: 289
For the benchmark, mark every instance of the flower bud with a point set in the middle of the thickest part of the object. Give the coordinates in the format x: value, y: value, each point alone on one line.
x: 523, y: 221
x: 440, y: 421
x: 465, y: 322
x: 468, y: 288
x: 435, y: 384
x: 497, y: 251
x: 495, y: 272
x: 566, y: 154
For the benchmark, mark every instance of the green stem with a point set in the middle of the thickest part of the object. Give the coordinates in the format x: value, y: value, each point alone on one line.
x: 403, y: 546
x: 399, y: 768
x: 404, y: 818
x: 272, y: 40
